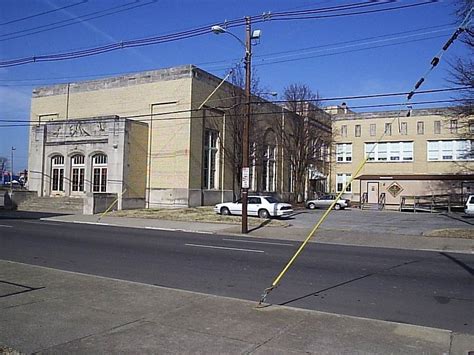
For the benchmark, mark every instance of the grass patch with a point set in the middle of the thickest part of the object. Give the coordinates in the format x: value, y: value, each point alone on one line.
x: 194, y: 214
x: 463, y: 233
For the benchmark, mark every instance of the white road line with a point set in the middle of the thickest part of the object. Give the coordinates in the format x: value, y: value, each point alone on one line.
x: 254, y: 241
x: 225, y: 248
x: 6, y: 226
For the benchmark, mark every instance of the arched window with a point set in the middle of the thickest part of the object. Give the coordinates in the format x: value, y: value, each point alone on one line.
x: 77, y: 172
x: 57, y: 173
x: 99, y: 173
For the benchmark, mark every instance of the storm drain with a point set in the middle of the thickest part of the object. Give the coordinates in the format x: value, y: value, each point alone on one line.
x: 11, y: 289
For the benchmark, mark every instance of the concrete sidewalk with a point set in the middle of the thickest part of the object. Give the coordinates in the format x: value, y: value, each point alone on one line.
x: 50, y: 311
x: 331, y: 234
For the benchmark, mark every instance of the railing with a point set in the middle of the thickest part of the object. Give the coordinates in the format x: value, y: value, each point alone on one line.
x: 433, y: 203
x: 381, y: 203
x: 364, y: 200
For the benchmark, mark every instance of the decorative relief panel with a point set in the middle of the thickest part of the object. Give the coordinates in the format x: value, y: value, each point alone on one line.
x: 71, y: 130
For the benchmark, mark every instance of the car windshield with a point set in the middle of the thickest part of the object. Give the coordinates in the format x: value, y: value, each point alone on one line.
x: 271, y: 199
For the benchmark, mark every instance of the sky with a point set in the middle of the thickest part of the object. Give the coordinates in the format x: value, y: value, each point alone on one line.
x: 339, y: 56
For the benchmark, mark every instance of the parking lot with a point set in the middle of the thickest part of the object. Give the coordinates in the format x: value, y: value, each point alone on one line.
x: 387, y: 222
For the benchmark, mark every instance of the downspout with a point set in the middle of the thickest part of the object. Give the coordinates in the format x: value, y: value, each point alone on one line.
x: 150, y: 139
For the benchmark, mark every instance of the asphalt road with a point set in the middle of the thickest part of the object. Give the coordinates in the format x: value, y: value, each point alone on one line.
x: 424, y: 288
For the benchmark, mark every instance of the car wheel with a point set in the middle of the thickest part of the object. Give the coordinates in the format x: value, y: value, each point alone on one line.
x: 311, y: 206
x: 225, y: 211
x: 337, y: 206
x: 263, y: 214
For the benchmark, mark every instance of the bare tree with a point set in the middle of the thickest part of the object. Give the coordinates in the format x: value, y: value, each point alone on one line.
x: 462, y: 74
x: 303, y: 132
x: 235, y: 112
x: 462, y: 69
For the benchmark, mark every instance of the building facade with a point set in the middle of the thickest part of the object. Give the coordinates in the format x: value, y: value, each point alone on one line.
x: 162, y: 137
x: 428, y: 153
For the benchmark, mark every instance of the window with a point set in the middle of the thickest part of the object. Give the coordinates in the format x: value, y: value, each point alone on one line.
x: 373, y: 129
x: 341, y: 181
x: 420, y: 127
x: 254, y: 201
x: 57, y: 173
x: 471, y: 126
x: 291, y: 178
x: 99, y: 173
x: 344, y: 152
x: 388, y: 129
x: 389, y: 151
x: 253, y: 165
x: 437, y: 127
x: 404, y: 128
x: 453, y: 126
x: 269, y: 165
x: 357, y: 130
x: 344, y: 130
x: 77, y: 172
x: 210, y: 157
x: 451, y: 150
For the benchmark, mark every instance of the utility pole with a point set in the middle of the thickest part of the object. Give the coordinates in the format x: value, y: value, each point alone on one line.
x: 11, y: 175
x: 245, y: 139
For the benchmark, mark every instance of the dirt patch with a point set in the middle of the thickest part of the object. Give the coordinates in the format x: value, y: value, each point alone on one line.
x: 463, y: 233
x: 194, y: 214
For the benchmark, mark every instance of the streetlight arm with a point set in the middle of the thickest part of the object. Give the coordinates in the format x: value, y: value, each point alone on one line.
x: 218, y: 30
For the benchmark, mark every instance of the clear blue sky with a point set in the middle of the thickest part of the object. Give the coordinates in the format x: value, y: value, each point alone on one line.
x: 355, y: 55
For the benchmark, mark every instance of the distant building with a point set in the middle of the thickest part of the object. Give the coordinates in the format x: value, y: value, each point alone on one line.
x: 146, y: 137
x: 429, y: 153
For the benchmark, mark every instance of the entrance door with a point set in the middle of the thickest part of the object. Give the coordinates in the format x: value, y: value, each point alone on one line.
x: 373, y: 192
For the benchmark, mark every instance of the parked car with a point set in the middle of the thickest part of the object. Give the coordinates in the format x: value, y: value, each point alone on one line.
x: 469, y: 207
x: 326, y: 200
x: 261, y: 206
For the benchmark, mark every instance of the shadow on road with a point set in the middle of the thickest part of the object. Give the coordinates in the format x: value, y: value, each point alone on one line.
x: 8, y: 214
x: 347, y: 282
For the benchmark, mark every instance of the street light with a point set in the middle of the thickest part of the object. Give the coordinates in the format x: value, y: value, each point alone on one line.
x: 245, y: 136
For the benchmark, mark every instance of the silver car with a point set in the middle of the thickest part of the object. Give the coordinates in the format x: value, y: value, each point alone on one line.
x: 325, y: 201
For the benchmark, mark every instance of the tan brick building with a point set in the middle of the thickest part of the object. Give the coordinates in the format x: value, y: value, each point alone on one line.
x: 428, y: 153
x: 147, y: 134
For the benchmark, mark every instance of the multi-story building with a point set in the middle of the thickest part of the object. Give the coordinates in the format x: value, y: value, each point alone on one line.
x: 161, y: 137
x: 431, y: 152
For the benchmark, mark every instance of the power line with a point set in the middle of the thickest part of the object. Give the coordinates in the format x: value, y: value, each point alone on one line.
x: 146, y: 116
x: 408, y: 33
x: 174, y: 37
x: 42, y: 13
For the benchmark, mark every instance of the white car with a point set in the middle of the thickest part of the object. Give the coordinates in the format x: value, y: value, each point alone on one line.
x: 469, y: 207
x: 261, y: 206
x: 325, y: 201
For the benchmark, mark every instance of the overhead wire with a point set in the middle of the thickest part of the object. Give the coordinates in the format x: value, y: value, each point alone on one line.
x: 268, y: 56
x: 146, y: 116
x: 163, y: 39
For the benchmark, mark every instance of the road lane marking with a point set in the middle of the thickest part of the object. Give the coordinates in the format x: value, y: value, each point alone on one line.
x: 254, y: 241
x: 225, y: 248
x: 5, y: 226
